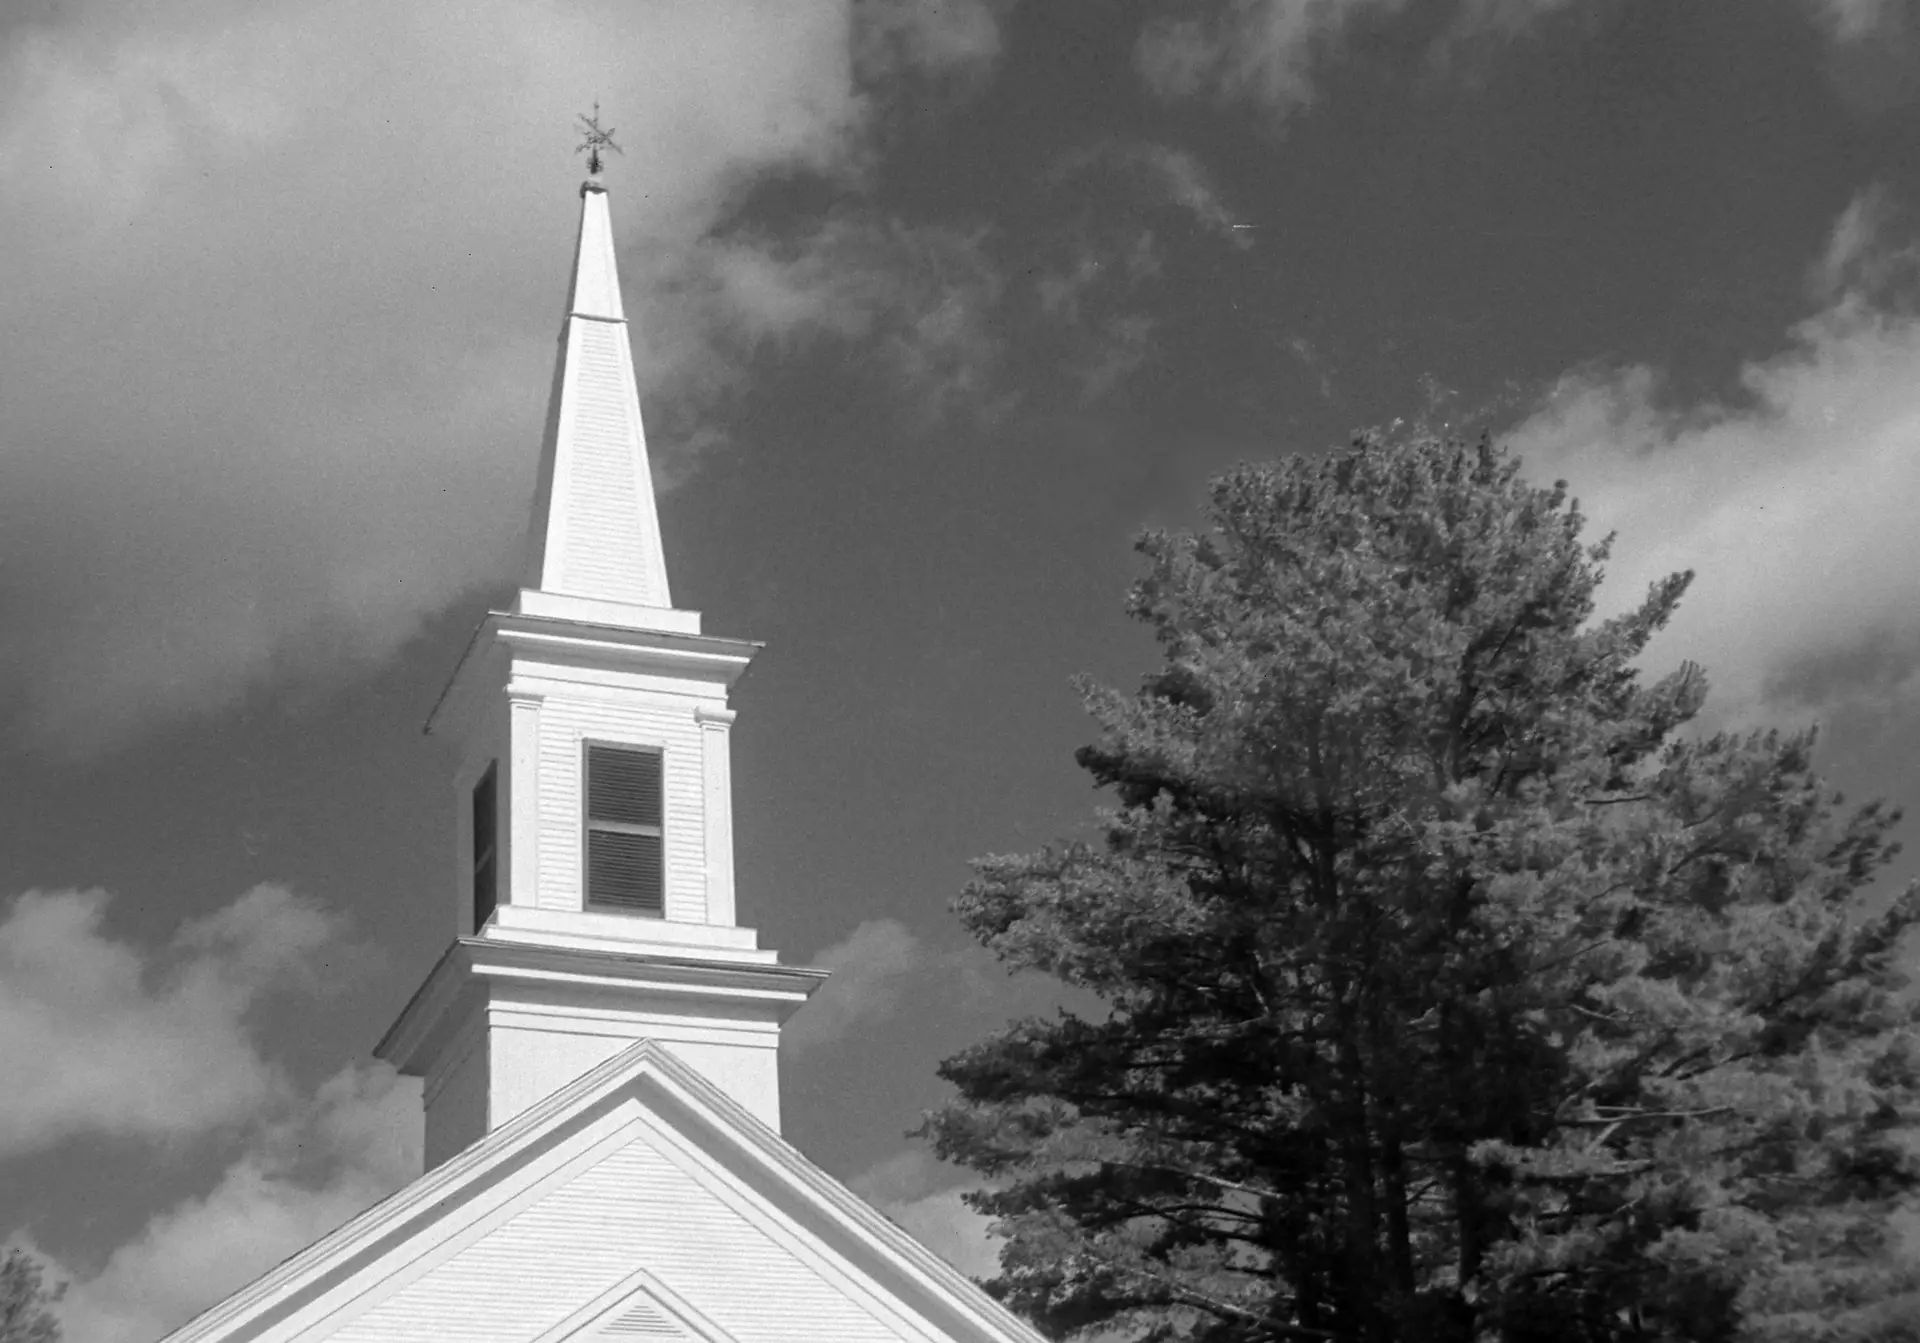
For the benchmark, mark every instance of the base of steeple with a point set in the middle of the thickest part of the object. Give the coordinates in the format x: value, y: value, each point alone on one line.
x: 586, y: 930
x: 501, y: 1023
x: 594, y: 611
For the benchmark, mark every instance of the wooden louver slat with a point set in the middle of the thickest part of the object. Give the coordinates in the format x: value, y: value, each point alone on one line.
x: 623, y: 786
x: 641, y: 1321
x: 625, y: 859
x: 623, y: 871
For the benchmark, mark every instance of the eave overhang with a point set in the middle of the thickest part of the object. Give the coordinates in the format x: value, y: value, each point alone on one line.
x: 538, y: 639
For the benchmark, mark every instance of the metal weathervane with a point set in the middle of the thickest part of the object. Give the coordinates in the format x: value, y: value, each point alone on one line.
x: 596, y: 140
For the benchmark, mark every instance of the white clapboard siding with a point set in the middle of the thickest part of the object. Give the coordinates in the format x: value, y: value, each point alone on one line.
x: 566, y: 725
x: 610, y: 528
x: 633, y: 1209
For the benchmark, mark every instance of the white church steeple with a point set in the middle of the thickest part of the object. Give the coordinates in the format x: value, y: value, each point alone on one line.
x: 595, y: 532
x: 593, y: 902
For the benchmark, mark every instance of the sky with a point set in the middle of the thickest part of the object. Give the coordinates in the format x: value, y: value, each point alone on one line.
x: 936, y: 304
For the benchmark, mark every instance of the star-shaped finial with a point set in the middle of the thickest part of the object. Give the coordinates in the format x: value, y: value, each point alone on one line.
x: 596, y: 140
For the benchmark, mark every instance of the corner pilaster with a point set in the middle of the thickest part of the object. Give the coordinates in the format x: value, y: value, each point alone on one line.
x: 523, y: 741
x: 716, y: 731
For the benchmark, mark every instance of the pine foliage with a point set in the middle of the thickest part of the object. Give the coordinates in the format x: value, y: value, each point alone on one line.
x: 1452, y: 992
x: 26, y: 1300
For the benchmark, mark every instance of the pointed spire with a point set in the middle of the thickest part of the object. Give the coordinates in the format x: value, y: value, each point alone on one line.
x: 596, y: 282
x: 595, y: 532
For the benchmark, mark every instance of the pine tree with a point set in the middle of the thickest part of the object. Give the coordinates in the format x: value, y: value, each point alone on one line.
x: 26, y: 1300
x: 1452, y: 991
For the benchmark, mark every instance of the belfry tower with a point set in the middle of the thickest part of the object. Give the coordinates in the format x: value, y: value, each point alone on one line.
x: 599, y: 1044
x: 593, y: 900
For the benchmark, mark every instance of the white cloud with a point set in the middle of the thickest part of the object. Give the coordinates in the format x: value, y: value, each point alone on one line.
x: 1873, y: 51
x: 97, y: 1038
x: 1090, y: 288
x: 1480, y: 30
x: 1258, y: 50
x: 937, y: 36
x: 1857, y: 20
x: 1173, y: 176
x: 1797, y: 502
x: 299, y: 1177
x: 101, y: 1039
x: 876, y: 966
x: 1268, y: 51
x: 923, y: 1196
x: 919, y: 299
x: 1860, y: 259
x: 871, y: 968
x: 293, y: 270
x: 921, y: 293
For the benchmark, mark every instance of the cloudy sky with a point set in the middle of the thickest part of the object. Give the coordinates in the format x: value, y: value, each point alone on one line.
x: 937, y: 302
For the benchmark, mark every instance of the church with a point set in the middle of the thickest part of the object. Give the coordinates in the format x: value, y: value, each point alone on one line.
x: 598, y: 1047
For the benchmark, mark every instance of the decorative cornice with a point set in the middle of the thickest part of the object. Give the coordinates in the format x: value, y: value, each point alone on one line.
x: 550, y: 630
x: 702, y: 657
x: 423, y: 1029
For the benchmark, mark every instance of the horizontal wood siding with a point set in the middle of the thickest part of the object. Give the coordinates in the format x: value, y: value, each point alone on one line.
x: 606, y: 551
x: 634, y: 1209
x: 566, y: 725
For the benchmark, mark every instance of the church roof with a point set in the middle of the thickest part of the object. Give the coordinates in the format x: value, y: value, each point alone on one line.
x: 535, y: 1233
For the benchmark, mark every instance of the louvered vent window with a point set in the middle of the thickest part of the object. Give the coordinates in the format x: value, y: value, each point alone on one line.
x: 641, y: 1321
x: 624, y: 869
x: 486, y: 818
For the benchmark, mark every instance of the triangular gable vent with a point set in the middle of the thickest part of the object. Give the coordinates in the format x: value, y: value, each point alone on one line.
x: 637, y: 1308
x: 640, y: 1320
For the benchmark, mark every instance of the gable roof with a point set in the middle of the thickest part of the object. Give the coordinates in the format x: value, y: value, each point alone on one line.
x: 398, y: 1239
